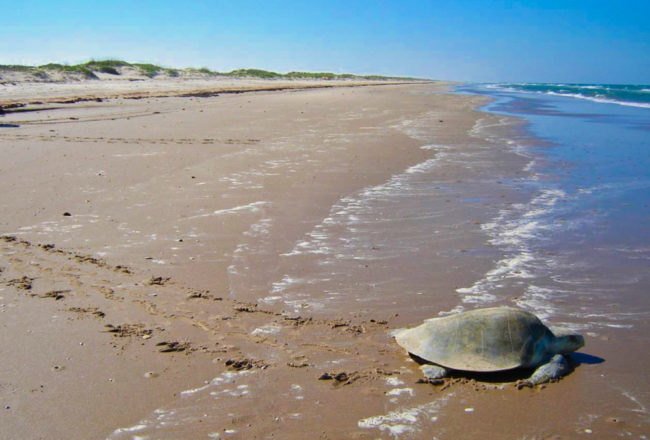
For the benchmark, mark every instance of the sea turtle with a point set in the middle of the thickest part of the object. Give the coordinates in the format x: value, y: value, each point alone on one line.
x: 490, y: 340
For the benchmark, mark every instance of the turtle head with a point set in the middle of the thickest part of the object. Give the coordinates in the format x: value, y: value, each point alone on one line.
x: 565, y: 344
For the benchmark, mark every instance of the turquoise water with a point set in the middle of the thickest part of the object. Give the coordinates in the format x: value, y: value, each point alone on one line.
x: 622, y: 94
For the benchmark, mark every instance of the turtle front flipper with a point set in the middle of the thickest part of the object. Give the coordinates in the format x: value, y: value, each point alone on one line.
x: 552, y: 370
x: 433, y: 371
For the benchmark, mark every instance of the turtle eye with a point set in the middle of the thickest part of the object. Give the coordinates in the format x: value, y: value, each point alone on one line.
x: 577, y: 340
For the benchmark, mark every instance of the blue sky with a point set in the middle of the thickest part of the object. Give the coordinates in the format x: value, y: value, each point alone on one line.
x: 472, y: 40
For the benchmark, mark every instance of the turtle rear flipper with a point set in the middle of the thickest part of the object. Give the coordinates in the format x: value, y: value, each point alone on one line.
x: 434, y: 371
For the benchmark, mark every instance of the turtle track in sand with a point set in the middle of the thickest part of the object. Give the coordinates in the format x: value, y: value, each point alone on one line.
x: 90, y: 283
x: 133, y: 315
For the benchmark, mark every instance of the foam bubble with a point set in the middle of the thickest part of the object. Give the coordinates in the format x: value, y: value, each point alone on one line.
x: 400, y: 391
x: 269, y: 329
x: 394, y: 381
x: 405, y: 421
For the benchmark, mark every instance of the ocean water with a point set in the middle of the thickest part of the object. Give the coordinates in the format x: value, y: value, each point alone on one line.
x: 583, y: 239
x: 621, y: 94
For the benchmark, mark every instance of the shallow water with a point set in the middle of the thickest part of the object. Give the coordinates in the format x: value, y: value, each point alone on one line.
x: 585, y: 233
x: 396, y: 247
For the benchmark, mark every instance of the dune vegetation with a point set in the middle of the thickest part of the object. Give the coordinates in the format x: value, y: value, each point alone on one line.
x: 96, y: 69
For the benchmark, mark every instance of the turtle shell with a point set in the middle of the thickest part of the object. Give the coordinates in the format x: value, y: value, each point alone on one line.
x: 491, y: 339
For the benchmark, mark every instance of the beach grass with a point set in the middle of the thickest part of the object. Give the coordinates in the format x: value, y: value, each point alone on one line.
x: 152, y: 70
x: 81, y: 69
x: 89, y: 70
x: 254, y: 73
x: 16, y: 68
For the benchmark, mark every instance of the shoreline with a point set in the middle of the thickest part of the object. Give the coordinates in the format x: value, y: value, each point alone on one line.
x: 159, y: 290
x: 566, y: 248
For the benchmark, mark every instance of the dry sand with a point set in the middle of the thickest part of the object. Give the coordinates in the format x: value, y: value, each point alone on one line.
x: 146, y: 242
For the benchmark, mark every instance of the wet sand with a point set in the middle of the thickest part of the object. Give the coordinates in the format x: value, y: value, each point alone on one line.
x: 232, y: 266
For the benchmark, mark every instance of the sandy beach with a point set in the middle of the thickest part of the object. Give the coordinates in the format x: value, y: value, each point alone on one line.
x: 205, y: 259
